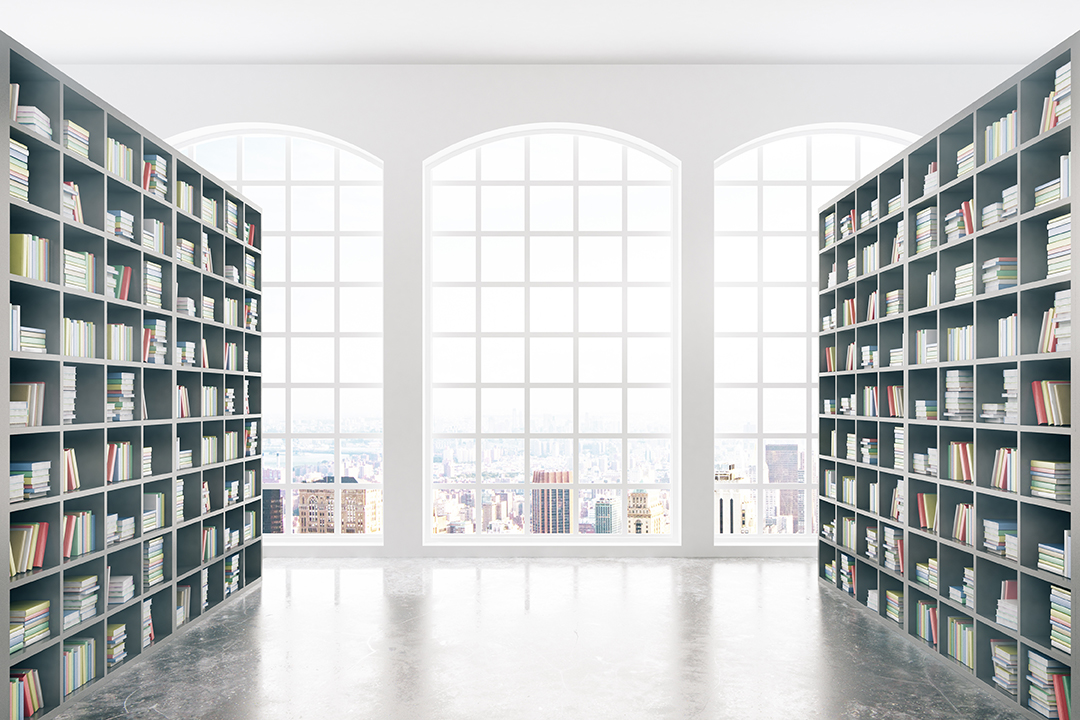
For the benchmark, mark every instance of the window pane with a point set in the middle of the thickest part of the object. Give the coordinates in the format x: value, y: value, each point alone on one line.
x: 502, y: 259
x: 599, y: 309
x: 648, y: 410
x: 503, y: 511
x: 312, y: 208
x: 648, y: 512
x: 454, y: 512
x: 454, y: 461
x: 736, y: 309
x: 550, y: 456
x: 502, y: 360
x: 743, y: 166
x: 361, y: 259
x: 312, y: 360
x: 503, y: 160
x: 736, y: 207
x: 649, y: 208
x: 551, y: 157
x: 735, y: 512
x: 551, y: 259
x: 502, y: 410
x: 218, y: 156
x: 355, y: 168
x: 311, y: 160
x: 736, y: 461
x: 735, y: 410
x: 453, y: 410
x: 365, y: 310
x: 273, y: 310
x: 735, y: 360
x: 274, y: 259
x: 599, y: 461
x: 599, y: 208
x: 784, y: 360
x: 361, y: 360
x: 361, y: 410
x: 736, y: 259
x: 649, y: 461
x: 453, y: 309
x: 785, y: 512
x: 273, y: 407
x: 648, y: 309
x: 784, y: 208
x: 600, y: 360
x: 453, y: 259
x: 648, y: 259
x: 784, y: 159
x: 502, y: 309
x: 600, y: 410
x: 551, y: 208
x: 503, y: 461
x: 600, y: 511
x: 551, y: 309
x: 312, y: 259
x: 313, y: 461
x: 551, y: 410
x: 502, y: 208
x: 314, y: 511
x: 274, y: 460
x: 599, y: 159
x: 453, y: 208
x: 784, y: 410
x: 361, y: 208
x: 272, y: 201
x: 273, y: 359
x: 600, y: 259
x: 649, y: 360
x: 551, y: 360
x: 312, y: 309
x: 786, y: 259
x: 453, y: 360
x: 459, y: 167
x: 312, y: 410
x: 361, y: 511
x: 640, y: 166
x: 833, y: 157
x: 784, y: 309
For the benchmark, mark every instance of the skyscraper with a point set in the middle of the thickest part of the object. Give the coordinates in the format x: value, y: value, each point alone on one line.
x: 551, y: 510
x: 314, y: 511
x: 361, y: 510
x: 645, y: 514
x: 787, y: 513
x: 607, y: 515
x: 273, y: 511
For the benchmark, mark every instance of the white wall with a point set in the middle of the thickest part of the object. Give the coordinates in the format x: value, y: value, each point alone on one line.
x: 406, y: 113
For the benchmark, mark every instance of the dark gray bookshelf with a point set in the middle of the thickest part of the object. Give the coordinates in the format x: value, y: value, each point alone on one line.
x: 222, y: 490
x: 848, y: 561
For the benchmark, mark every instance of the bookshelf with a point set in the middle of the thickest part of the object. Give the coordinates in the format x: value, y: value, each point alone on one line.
x: 945, y: 366
x: 134, y: 360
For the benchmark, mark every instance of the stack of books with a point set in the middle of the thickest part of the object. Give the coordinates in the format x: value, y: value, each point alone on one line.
x: 33, y: 616
x: 830, y: 229
x: 155, y: 345
x: 185, y: 251
x: 1063, y: 320
x: 995, y: 533
x: 185, y: 352
x: 1051, y: 480
x: 80, y: 270
x: 898, y: 448
x: 19, y: 185
x: 926, y: 409
x: 186, y: 306
x: 965, y: 159
x: 1063, y: 93
x: 232, y: 574
x: 71, y: 203
x: 80, y: 599
x: 847, y: 225
x: 1059, y: 246
x: 33, y: 478
x: 232, y: 218
x: 894, y: 605
x: 965, y: 280
x: 894, y: 302
x: 67, y: 394
x: 155, y: 175
x: 1011, y: 393
x: 1061, y: 619
x: 1049, y: 685
x: 153, y: 235
x: 121, y: 589
x: 153, y: 561
x: 925, y: 463
x: 893, y: 545
x: 34, y: 120
x: 115, y: 635
x: 147, y: 622
x: 925, y: 229
x: 931, y: 180
x: 152, y: 284
x: 959, y: 222
x: 117, y: 281
x: 121, y: 224
x: 1008, y: 611
x: 999, y: 273
x: 120, y: 397
x: 960, y: 395
x: 207, y: 308
x: 1054, y: 558
x: 1006, y: 671
x: 209, y: 211
x: 251, y: 314
x: 77, y: 138
x: 869, y: 450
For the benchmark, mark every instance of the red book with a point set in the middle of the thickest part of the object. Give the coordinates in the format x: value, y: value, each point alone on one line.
x: 1040, y: 407
x: 922, y: 510
x: 69, y: 534
x: 965, y: 462
x: 43, y: 537
x: 146, y: 176
x: 110, y: 463
x: 125, y: 283
x: 1062, y: 700
x: 969, y: 221
x: 145, y: 344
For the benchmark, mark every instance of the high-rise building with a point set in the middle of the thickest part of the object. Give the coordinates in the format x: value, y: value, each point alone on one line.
x: 551, y: 510
x: 735, y: 512
x: 607, y: 516
x: 361, y: 510
x: 314, y: 511
x: 785, y: 510
x: 273, y: 511
x: 645, y: 514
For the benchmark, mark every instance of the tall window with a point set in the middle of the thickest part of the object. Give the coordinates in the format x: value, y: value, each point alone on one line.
x: 551, y: 326
x: 322, y: 345
x: 766, y: 402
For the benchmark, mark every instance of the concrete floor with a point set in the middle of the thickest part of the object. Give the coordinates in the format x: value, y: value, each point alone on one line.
x: 642, y: 638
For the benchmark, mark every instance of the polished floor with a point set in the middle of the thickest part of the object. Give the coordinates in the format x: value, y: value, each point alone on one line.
x: 415, y: 639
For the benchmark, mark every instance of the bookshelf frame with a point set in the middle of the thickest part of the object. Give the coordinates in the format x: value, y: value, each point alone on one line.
x: 157, y: 422
x: 1030, y: 163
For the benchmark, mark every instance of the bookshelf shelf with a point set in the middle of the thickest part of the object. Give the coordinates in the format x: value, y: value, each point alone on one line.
x: 945, y: 437
x: 107, y: 510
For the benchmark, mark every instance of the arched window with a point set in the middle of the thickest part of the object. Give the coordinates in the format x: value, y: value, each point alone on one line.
x: 551, y: 324
x: 322, y: 367
x: 767, y: 195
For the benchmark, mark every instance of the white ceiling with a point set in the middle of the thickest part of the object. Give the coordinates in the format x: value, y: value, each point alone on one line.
x: 540, y: 31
